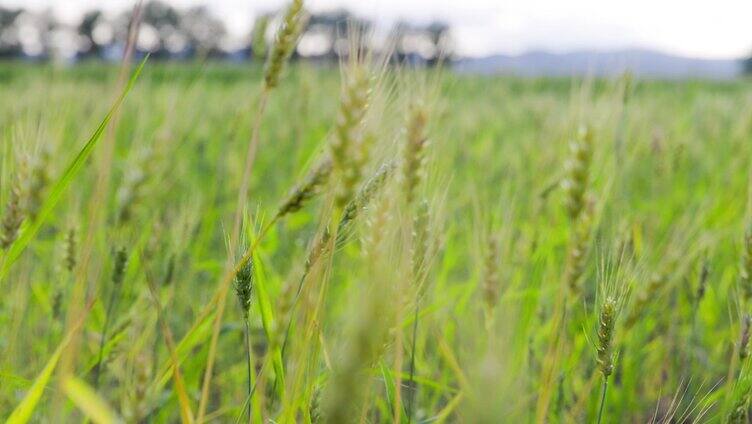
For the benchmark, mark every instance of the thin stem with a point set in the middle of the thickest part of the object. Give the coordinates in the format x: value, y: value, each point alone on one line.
x: 603, y: 399
x: 250, y: 367
x: 398, y: 357
x: 413, y: 387
x: 100, y: 356
x: 555, y: 349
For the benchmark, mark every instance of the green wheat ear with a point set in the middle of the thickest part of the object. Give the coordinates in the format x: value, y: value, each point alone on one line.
x: 69, y: 249
x: 744, y: 337
x: 37, y: 182
x: 13, y: 215
x: 284, y: 43
x: 577, y: 169
x: 739, y: 410
x: 346, y: 146
x: 413, y: 156
x: 745, y: 271
x: 244, y: 286
x: 362, y: 198
x: 491, y: 281
x: 308, y: 189
x: 604, y: 349
x: 118, y: 270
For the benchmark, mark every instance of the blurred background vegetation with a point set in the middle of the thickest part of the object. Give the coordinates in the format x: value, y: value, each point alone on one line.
x: 167, y: 32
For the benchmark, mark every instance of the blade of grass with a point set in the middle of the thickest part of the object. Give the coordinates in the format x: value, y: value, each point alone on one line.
x: 196, y: 335
x: 23, y: 412
x: 89, y: 402
x: 267, y: 321
x: 58, y: 188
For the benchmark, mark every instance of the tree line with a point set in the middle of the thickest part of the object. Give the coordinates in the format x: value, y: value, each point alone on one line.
x: 166, y: 32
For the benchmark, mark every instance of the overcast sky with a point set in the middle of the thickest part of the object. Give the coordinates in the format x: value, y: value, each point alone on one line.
x: 700, y: 28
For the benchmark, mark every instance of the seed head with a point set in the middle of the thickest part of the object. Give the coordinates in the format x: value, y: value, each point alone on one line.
x: 361, y: 200
x: 118, y: 269
x: 309, y: 188
x: 491, y: 281
x: 244, y: 286
x: 606, y: 322
x: 577, y: 168
x: 37, y: 183
x: 739, y: 410
x: 13, y: 216
x: 317, y: 250
x: 69, y: 250
x: 745, y: 271
x: 413, y: 156
x: 347, y: 145
x: 284, y: 43
x: 744, y: 337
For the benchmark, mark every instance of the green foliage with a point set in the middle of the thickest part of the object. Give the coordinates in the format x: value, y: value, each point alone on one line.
x: 459, y: 304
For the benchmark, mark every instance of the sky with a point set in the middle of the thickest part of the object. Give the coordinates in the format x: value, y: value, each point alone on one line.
x: 698, y: 28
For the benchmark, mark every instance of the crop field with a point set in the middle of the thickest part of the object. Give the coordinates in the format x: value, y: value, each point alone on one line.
x: 372, y: 244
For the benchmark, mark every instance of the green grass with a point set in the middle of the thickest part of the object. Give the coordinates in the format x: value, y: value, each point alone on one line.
x: 672, y: 199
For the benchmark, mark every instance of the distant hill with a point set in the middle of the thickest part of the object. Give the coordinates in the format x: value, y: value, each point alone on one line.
x: 643, y: 63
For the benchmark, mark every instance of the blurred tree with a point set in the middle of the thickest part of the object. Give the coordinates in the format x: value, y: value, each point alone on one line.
x: 326, y: 35
x: 166, y: 32
x: 159, y: 27
x: 51, y: 35
x: 747, y: 65
x: 92, y: 45
x: 438, y: 33
x: 10, y: 43
x: 421, y: 44
x: 25, y: 33
x: 202, y: 31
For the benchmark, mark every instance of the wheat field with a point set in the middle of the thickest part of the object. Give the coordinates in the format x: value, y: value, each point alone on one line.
x: 372, y: 243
